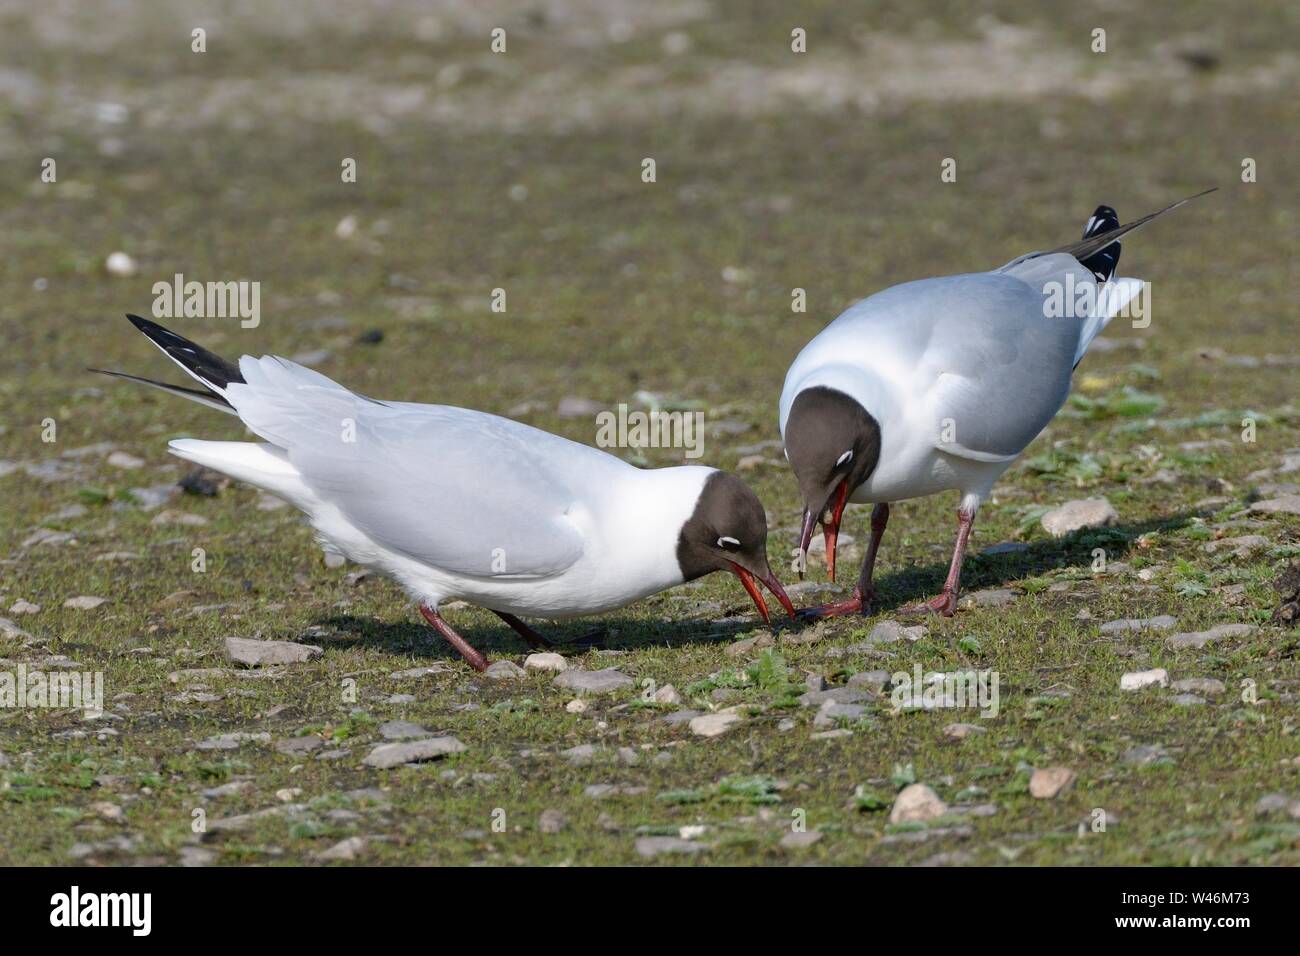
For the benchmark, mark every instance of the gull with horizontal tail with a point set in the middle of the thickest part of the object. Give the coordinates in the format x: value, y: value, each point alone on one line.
x: 939, y: 385
x: 460, y: 504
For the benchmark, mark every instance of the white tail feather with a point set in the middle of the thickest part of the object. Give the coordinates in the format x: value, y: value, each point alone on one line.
x: 257, y: 463
x: 1114, y: 296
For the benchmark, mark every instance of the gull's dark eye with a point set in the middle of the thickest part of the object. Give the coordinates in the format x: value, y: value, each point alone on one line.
x: 845, y: 458
x: 728, y: 543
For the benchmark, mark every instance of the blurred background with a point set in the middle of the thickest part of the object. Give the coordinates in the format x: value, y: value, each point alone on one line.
x: 522, y: 170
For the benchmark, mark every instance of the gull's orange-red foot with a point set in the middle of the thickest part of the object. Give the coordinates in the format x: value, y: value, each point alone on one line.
x: 854, y: 605
x: 944, y: 603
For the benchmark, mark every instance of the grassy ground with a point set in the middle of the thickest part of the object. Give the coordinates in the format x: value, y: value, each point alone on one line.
x: 522, y: 171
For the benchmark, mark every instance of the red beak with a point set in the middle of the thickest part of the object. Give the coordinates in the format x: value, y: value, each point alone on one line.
x: 751, y: 585
x: 830, y: 527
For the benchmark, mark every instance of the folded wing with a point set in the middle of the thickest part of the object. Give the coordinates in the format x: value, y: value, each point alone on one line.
x: 1002, y: 367
x: 462, y: 491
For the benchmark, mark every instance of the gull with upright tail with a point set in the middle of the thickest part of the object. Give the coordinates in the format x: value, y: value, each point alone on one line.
x: 460, y: 504
x: 939, y: 385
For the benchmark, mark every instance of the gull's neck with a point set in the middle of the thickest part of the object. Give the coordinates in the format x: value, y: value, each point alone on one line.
x: 875, y: 393
x: 641, y: 520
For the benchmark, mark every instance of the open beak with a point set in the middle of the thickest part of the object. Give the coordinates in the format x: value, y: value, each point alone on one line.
x: 750, y: 581
x: 830, y: 525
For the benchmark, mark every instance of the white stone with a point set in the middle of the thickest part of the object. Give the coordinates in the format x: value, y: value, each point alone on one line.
x: 254, y: 653
x: 1161, y: 623
x: 667, y: 695
x: 48, y: 536
x: 503, y: 670
x: 711, y: 725
x: 232, y: 741
x: 1199, y: 685
x: 346, y: 849
x: 1287, y: 505
x: 655, y: 845
x: 547, y: 661
x: 386, y: 756
x: 1079, y: 514
x: 1046, y: 782
x: 989, y: 597
x: 120, y: 264
x: 917, y: 803
x: 12, y: 631
x: 1241, y: 547
x: 84, y: 602
x: 593, y: 682
x: 1136, y: 680
x: 800, y: 840
x: 1198, y: 639
x: 890, y: 632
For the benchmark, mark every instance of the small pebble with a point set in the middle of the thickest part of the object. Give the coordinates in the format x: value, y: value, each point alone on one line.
x: 84, y: 602
x: 548, y: 661
x: 1046, y: 782
x: 120, y: 264
x: 917, y: 803
x: 1136, y: 680
x: 711, y: 725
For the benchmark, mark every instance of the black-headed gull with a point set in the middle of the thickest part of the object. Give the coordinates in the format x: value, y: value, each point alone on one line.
x: 940, y: 384
x: 459, y: 504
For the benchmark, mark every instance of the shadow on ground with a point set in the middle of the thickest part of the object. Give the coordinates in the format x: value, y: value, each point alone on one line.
x: 1039, y: 557
x: 412, y: 637
x: 894, y: 590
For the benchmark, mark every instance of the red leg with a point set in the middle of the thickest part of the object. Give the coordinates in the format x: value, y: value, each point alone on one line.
x: 945, y: 602
x: 864, y: 593
x: 879, y: 519
x: 472, y: 657
x: 534, y: 639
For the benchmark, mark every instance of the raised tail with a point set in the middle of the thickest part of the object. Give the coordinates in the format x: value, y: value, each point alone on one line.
x: 1103, y: 229
x: 207, y: 368
x: 1102, y: 263
x: 1098, y: 252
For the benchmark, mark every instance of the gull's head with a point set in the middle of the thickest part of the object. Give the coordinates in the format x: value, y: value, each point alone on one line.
x: 727, y: 531
x: 833, y: 445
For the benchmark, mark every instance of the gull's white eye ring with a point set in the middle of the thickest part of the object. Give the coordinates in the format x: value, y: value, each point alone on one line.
x: 847, y: 456
x: 727, y: 541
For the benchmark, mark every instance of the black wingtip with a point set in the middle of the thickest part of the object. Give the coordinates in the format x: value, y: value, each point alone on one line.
x: 204, y: 397
x: 144, y: 325
x: 209, y: 368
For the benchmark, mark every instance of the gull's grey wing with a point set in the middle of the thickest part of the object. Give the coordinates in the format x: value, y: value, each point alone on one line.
x: 972, y: 361
x: 461, y: 491
x: 1002, y: 365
